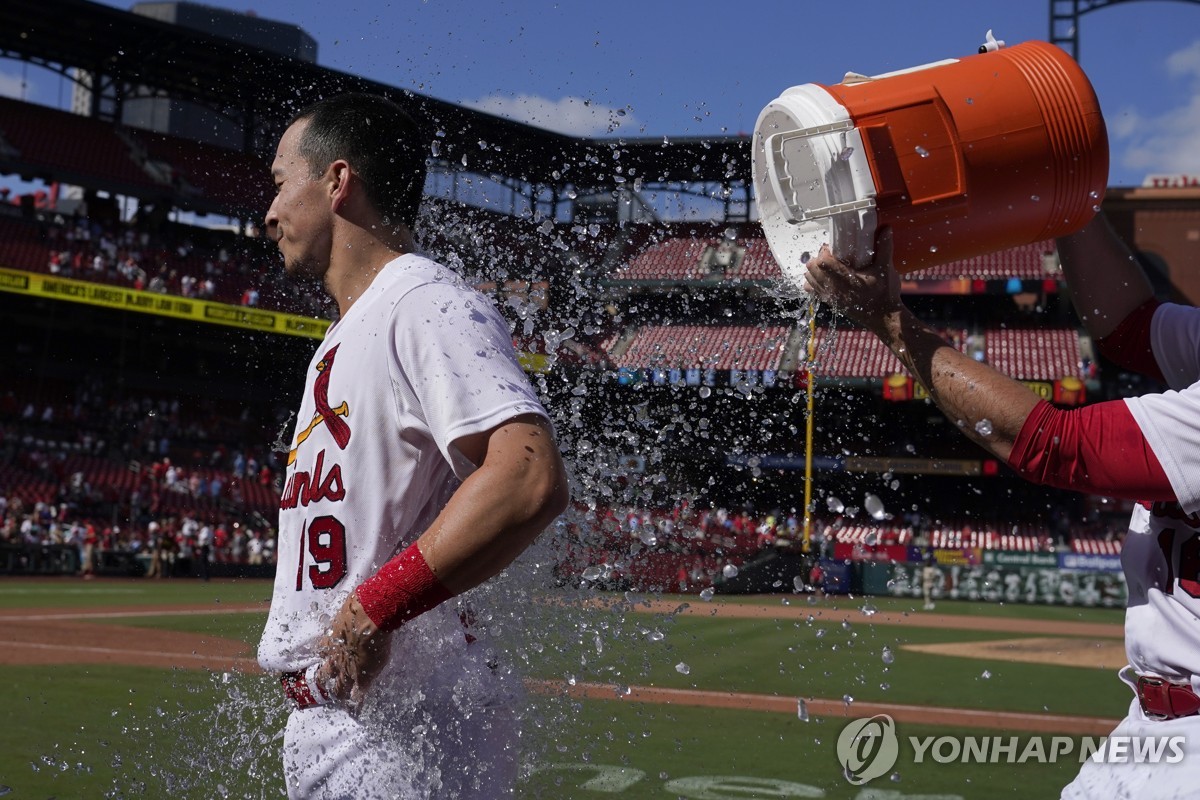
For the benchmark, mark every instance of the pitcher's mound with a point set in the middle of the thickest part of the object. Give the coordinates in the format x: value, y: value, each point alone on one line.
x: 1063, y: 652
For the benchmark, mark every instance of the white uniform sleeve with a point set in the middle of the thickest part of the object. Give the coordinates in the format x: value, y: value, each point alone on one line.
x: 1170, y: 421
x: 1175, y: 339
x: 455, y: 357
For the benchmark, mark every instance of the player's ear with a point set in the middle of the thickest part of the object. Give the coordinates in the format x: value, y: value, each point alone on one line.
x: 339, y: 177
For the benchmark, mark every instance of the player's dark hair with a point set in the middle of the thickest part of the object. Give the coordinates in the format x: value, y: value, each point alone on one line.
x: 379, y: 139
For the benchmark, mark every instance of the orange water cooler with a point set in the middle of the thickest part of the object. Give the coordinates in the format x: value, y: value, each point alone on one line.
x: 960, y: 157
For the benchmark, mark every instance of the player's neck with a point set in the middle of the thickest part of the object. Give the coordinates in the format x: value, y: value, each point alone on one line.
x: 358, y: 256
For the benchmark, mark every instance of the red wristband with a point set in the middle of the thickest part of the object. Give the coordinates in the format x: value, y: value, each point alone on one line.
x: 402, y: 589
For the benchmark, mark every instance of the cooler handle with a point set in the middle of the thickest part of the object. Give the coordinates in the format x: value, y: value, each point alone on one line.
x: 781, y: 182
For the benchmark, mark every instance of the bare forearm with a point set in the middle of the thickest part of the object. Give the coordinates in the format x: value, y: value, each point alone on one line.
x: 1105, y: 280
x: 492, y: 518
x: 984, y: 404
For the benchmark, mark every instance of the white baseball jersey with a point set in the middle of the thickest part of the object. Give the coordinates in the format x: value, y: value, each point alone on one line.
x: 1161, y: 560
x: 419, y: 361
x: 1161, y: 554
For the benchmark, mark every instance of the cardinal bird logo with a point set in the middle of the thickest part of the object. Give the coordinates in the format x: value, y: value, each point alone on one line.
x: 332, y: 417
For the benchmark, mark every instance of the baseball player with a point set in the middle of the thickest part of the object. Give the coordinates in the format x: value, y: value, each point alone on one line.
x: 422, y: 465
x: 1145, y: 448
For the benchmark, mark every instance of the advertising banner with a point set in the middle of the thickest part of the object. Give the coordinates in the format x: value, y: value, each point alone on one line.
x: 1015, y: 584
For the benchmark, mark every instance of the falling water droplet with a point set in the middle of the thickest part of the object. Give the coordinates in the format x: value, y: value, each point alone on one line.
x: 729, y: 571
x: 707, y: 594
x: 987, y: 673
x: 1034, y: 198
x: 648, y: 538
x: 874, y: 506
x: 656, y: 636
x: 888, y: 656
x: 682, y: 668
x: 922, y: 152
x: 845, y: 154
x: 835, y: 505
x: 984, y: 427
x: 801, y: 710
x: 592, y: 573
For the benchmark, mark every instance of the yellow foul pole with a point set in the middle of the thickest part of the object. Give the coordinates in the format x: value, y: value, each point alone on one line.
x: 810, y: 390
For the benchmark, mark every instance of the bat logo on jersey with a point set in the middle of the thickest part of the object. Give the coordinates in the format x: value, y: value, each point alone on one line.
x: 332, y: 417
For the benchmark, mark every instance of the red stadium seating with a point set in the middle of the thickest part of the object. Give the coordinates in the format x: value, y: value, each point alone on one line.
x: 22, y: 245
x: 704, y: 347
x: 857, y: 353
x: 65, y: 146
x: 1028, y: 262
x: 1034, y: 354
x: 228, y: 178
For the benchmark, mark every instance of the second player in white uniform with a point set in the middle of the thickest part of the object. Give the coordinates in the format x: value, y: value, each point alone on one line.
x: 1145, y: 449
x: 421, y: 465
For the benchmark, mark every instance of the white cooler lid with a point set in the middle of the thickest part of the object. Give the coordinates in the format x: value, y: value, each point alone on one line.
x: 812, y: 181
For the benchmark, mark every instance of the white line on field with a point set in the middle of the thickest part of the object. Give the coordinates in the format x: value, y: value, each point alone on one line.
x: 76, y: 615
x: 121, y: 651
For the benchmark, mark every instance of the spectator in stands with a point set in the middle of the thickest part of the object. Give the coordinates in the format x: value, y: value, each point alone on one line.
x: 1144, y: 448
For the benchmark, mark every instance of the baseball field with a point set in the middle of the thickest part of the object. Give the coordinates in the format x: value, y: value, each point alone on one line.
x: 145, y: 688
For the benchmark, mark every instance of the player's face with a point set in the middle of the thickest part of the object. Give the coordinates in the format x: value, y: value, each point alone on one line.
x: 300, y: 217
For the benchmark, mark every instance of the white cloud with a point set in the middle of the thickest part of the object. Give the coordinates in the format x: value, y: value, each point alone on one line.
x: 1185, y: 63
x: 11, y: 86
x: 1167, y: 143
x: 574, y: 116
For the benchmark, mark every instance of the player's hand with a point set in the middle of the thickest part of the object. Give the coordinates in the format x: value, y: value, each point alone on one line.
x: 865, y: 294
x: 354, y: 652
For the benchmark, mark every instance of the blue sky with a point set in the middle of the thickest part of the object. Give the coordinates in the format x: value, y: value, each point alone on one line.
x: 707, y: 68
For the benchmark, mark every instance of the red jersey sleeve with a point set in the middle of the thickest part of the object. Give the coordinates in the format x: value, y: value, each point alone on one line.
x: 1098, y: 449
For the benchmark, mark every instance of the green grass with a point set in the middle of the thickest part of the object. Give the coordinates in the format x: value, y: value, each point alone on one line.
x: 83, y: 731
x: 87, y: 731
x: 78, y: 733
x: 1113, y: 616
x: 76, y: 593
x: 643, y: 749
x: 820, y: 660
x: 245, y: 627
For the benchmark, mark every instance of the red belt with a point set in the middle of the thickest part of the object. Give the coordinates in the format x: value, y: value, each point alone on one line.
x: 1162, y: 699
x: 298, y: 690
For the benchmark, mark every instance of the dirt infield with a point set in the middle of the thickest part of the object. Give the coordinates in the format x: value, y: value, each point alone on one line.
x: 61, y: 636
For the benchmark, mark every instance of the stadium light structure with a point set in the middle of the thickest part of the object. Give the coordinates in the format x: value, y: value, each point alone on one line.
x: 1064, y: 20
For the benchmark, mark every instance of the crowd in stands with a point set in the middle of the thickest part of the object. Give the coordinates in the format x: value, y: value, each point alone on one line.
x: 137, y: 475
x: 56, y: 537
x: 153, y: 255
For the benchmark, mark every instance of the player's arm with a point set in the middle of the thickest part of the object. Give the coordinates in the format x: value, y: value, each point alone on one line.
x: 1106, y: 282
x: 520, y: 486
x: 1097, y: 449
x: 1112, y: 295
